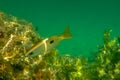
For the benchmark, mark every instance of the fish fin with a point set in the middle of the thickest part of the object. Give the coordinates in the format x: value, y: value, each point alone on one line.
x: 66, y: 34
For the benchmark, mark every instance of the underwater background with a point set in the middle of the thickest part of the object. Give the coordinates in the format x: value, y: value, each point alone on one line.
x: 87, y: 20
x: 93, y: 53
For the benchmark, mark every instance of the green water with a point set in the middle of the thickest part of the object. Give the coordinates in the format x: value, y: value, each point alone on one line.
x: 87, y: 19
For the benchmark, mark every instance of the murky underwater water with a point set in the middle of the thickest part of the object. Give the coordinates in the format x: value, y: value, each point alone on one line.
x: 92, y: 53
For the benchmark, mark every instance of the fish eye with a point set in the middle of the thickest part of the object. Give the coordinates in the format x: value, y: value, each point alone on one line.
x: 51, y: 41
x: 31, y: 53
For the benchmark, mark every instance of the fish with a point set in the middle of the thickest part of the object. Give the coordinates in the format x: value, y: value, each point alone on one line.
x: 46, y: 45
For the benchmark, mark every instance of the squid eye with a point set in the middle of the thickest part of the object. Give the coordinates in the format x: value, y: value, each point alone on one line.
x: 52, y: 41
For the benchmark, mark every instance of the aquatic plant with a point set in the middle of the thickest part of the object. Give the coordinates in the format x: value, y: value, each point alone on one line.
x: 15, y: 35
x: 108, y: 58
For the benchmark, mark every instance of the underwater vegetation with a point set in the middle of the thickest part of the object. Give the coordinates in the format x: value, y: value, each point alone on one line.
x: 17, y: 36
